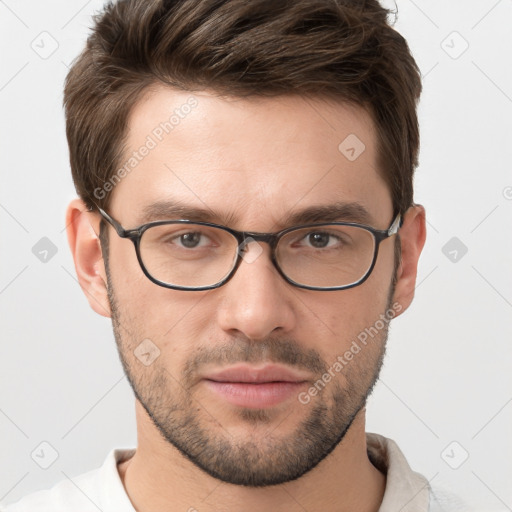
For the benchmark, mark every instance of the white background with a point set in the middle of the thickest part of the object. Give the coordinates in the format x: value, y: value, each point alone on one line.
x: 447, y: 375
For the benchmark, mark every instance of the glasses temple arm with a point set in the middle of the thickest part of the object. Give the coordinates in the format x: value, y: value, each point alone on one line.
x: 396, y: 225
x: 113, y: 222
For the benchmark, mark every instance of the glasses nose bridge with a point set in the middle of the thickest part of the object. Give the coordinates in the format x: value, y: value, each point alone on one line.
x: 250, y: 236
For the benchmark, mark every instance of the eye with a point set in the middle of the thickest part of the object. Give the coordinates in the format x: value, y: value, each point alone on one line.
x: 320, y: 240
x: 190, y: 239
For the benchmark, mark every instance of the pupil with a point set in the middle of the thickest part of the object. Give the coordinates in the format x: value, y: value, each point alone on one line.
x: 319, y: 239
x: 190, y: 239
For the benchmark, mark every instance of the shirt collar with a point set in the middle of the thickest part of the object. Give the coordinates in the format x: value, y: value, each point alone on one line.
x: 406, y: 490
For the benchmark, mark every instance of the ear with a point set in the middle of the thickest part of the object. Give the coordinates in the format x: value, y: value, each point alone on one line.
x: 82, y: 228
x: 412, y: 238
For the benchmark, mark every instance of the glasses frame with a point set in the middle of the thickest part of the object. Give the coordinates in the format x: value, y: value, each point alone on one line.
x: 272, y: 239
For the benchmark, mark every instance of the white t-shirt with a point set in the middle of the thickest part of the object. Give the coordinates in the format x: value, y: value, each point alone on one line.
x: 102, y: 490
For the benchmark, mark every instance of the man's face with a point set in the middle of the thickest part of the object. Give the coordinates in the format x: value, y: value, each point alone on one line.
x: 252, y: 163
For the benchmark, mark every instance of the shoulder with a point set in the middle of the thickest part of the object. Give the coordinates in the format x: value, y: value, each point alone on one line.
x: 65, y: 495
x: 442, y: 500
x: 87, y: 492
x: 402, y: 481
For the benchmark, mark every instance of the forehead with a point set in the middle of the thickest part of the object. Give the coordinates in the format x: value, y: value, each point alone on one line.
x: 253, y: 161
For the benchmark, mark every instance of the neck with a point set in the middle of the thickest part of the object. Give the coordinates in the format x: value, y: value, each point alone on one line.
x: 159, y: 476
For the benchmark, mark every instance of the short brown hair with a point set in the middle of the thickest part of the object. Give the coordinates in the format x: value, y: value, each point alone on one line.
x: 341, y: 49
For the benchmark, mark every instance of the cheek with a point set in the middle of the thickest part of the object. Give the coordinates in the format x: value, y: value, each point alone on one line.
x: 145, y: 308
x: 335, y: 319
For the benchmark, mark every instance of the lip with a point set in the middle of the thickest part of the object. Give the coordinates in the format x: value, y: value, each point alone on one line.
x: 255, y: 388
x: 256, y: 375
x: 255, y: 396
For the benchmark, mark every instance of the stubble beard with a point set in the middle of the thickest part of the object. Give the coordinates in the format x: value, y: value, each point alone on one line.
x: 267, y: 459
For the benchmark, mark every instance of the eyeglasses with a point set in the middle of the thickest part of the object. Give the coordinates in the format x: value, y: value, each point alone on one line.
x: 189, y: 255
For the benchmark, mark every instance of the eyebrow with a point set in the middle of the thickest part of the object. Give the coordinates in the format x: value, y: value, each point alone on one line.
x: 337, y: 212
x: 340, y: 211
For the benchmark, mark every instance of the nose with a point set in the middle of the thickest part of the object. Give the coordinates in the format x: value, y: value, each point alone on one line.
x: 256, y: 301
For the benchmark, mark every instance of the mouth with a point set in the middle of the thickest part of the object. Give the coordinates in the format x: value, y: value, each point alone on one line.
x: 254, y: 375
x: 256, y: 388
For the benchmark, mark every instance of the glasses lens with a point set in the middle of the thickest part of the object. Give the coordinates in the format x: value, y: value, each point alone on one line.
x: 326, y: 255
x: 188, y: 255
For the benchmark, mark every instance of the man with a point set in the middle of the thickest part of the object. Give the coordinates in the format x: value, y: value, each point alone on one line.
x: 246, y: 219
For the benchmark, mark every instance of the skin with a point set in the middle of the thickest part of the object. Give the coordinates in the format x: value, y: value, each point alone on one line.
x: 252, y: 161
